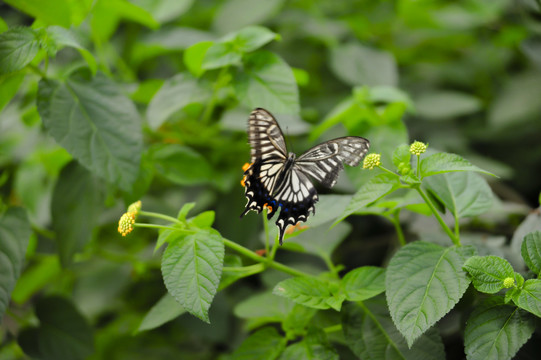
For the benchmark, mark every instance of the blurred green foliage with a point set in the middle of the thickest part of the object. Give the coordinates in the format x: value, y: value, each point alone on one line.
x: 106, y: 102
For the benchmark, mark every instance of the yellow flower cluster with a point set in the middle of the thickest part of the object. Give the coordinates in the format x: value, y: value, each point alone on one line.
x: 371, y: 161
x: 417, y: 148
x: 508, y: 282
x: 125, y: 224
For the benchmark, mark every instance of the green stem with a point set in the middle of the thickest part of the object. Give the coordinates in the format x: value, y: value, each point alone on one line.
x: 266, y: 227
x: 444, y: 226
x: 275, y: 247
x: 387, y: 170
x: 155, y: 226
x: 333, y: 328
x: 212, y: 102
x: 161, y: 216
x: 245, y: 270
x: 268, y: 262
x: 395, y: 219
x: 418, y: 169
x: 457, y: 228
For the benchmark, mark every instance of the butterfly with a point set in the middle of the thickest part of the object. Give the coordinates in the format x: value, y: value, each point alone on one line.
x: 276, y: 179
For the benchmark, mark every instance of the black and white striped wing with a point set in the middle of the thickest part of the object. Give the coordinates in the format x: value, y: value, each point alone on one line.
x: 325, y: 161
x: 265, y: 137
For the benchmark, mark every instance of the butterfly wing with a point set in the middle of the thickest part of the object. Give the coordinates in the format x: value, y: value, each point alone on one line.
x: 265, y: 137
x: 325, y: 161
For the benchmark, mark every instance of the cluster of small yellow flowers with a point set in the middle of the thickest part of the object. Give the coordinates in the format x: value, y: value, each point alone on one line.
x: 417, y: 148
x: 371, y: 161
x: 125, y: 224
x: 508, y: 282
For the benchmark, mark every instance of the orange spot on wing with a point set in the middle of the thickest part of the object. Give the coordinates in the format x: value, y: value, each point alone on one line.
x: 246, y: 166
x: 297, y: 226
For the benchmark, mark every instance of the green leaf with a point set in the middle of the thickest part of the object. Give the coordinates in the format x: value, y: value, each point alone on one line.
x: 488, y: 272
x: 424, y: 282
x: 54, y: 12
x: 252, y: 38
x: 191, y: 269
x: 529, y: 297
x: 402, y: 156
x: 37, y: 276
x: 165, y: 310
x: 371, y: 334
x: 9, y: 85
x: 63, y: 332
x: 18, y: 47
x: 230, y: 276
x: 496, y: 331
x: 373, y: 190
x: 264, y: 344
x: 233, y: 14
x: 531, y: 251
x: 309, y: 292
x: 265, y: 305
x: 203, y: 220
x: 14, y: 234
x: 445, y: 162
x: 221, y: 54
x: 194, y: 55
x: 268, y: 82
x: 181, y: 165
x: 96, y: 123
x: 463, y: 193
x: 184, y: 210
x: 64, y: 37
x: 363, y: 283
x: 436, y: 105
x: 356, y: 64
x: 75, y: 208
x: 314, y: 346
x: 165, y: 10
x: 176, y: 92
x: 297, y: 320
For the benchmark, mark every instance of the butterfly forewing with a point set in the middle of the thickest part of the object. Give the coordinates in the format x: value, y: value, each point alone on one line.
x: 325, y: 161
x: 265, y: 136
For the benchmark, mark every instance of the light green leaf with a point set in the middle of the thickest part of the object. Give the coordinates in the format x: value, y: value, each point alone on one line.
x: 203, y: 220
x: 184, y: 210
x: 488, y: 272
x: 363, y: 283
x: 307, y: 291
x: 14, y: 234
x: 424, y: 282
x: 371, y: 334
x: 165, y: 310
x: 40, y: 274
x: 531, y: 251
x: 314, y: 346
x: 9, y: 85
x: 18, y: 47
x: 63, y: 332
x: 54, y: 12
x: 194, y: 55
x: 252, y: 38
x: 265, y: 305
x: 268, y: 82
x: 529, y: 297
x: 436, y: 105
x: 176, y: 92
x: 64, y: 37
x: 373, y: 190
x: 221, y: 54
x: 264, y: 344
x: 191, y: 270
x: 164, y: 10
x: 356, y: 64
x: 445, y: 162
x: 402, y: 156
x: 235, y: 14
x: 496, y: 331
x: 463, y: 193
x: 96, y: 123
x: 181, y: 165
x: 297, y: 320
x: 75, y: 208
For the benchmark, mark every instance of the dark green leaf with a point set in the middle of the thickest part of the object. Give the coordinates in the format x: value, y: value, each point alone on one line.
x: 424, y: 282
x: 18, y: 47
x: 75, y: 208
x: 309, y: 292
x: 96, y: 123
x: 496, y: 331
x: 63, y: 332
x: 235, y: 14
x: 221, y: 54
x: 363, y: 283
x: 264, y: 344
x: 436, y: 105
x: 266, y: 305
x: 371, y: 334
x: 267, y: 81
x: 488, y: 272
x: 181, y: 165
x: 529, y: 297
x: 463, y: 193
x: 191, y: 269
x: 14, y: 234
x: 64, y: 37
x: 252, y: 38
x: 531, y: 251
x: 444, y: 162
x: 314, y: 346
x: 165, y: 310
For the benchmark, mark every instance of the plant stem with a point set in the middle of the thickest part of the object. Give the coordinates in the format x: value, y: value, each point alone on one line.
x: 418, y: 169
x: 395, y: 219
x: 266, y: 227
x: 245, y: 270
x: 444, y: 226
x: 387, y: 170
x: 333, y: 328
x: 161, y: 216
x: 266, y: 261
x: 155, y: 226
x: 218, y: 84
x: 457, y: 228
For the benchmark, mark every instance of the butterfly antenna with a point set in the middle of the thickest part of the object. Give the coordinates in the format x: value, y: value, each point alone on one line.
x: 288, y: 143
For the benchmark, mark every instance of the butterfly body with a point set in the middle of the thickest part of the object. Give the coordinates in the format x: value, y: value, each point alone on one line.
x: 278, y: 179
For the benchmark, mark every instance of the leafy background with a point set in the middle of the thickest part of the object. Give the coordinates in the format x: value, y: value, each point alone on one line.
x: 160, y: 91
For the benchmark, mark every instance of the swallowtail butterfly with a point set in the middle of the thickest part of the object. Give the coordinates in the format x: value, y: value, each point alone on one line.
x: 277, y: 179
